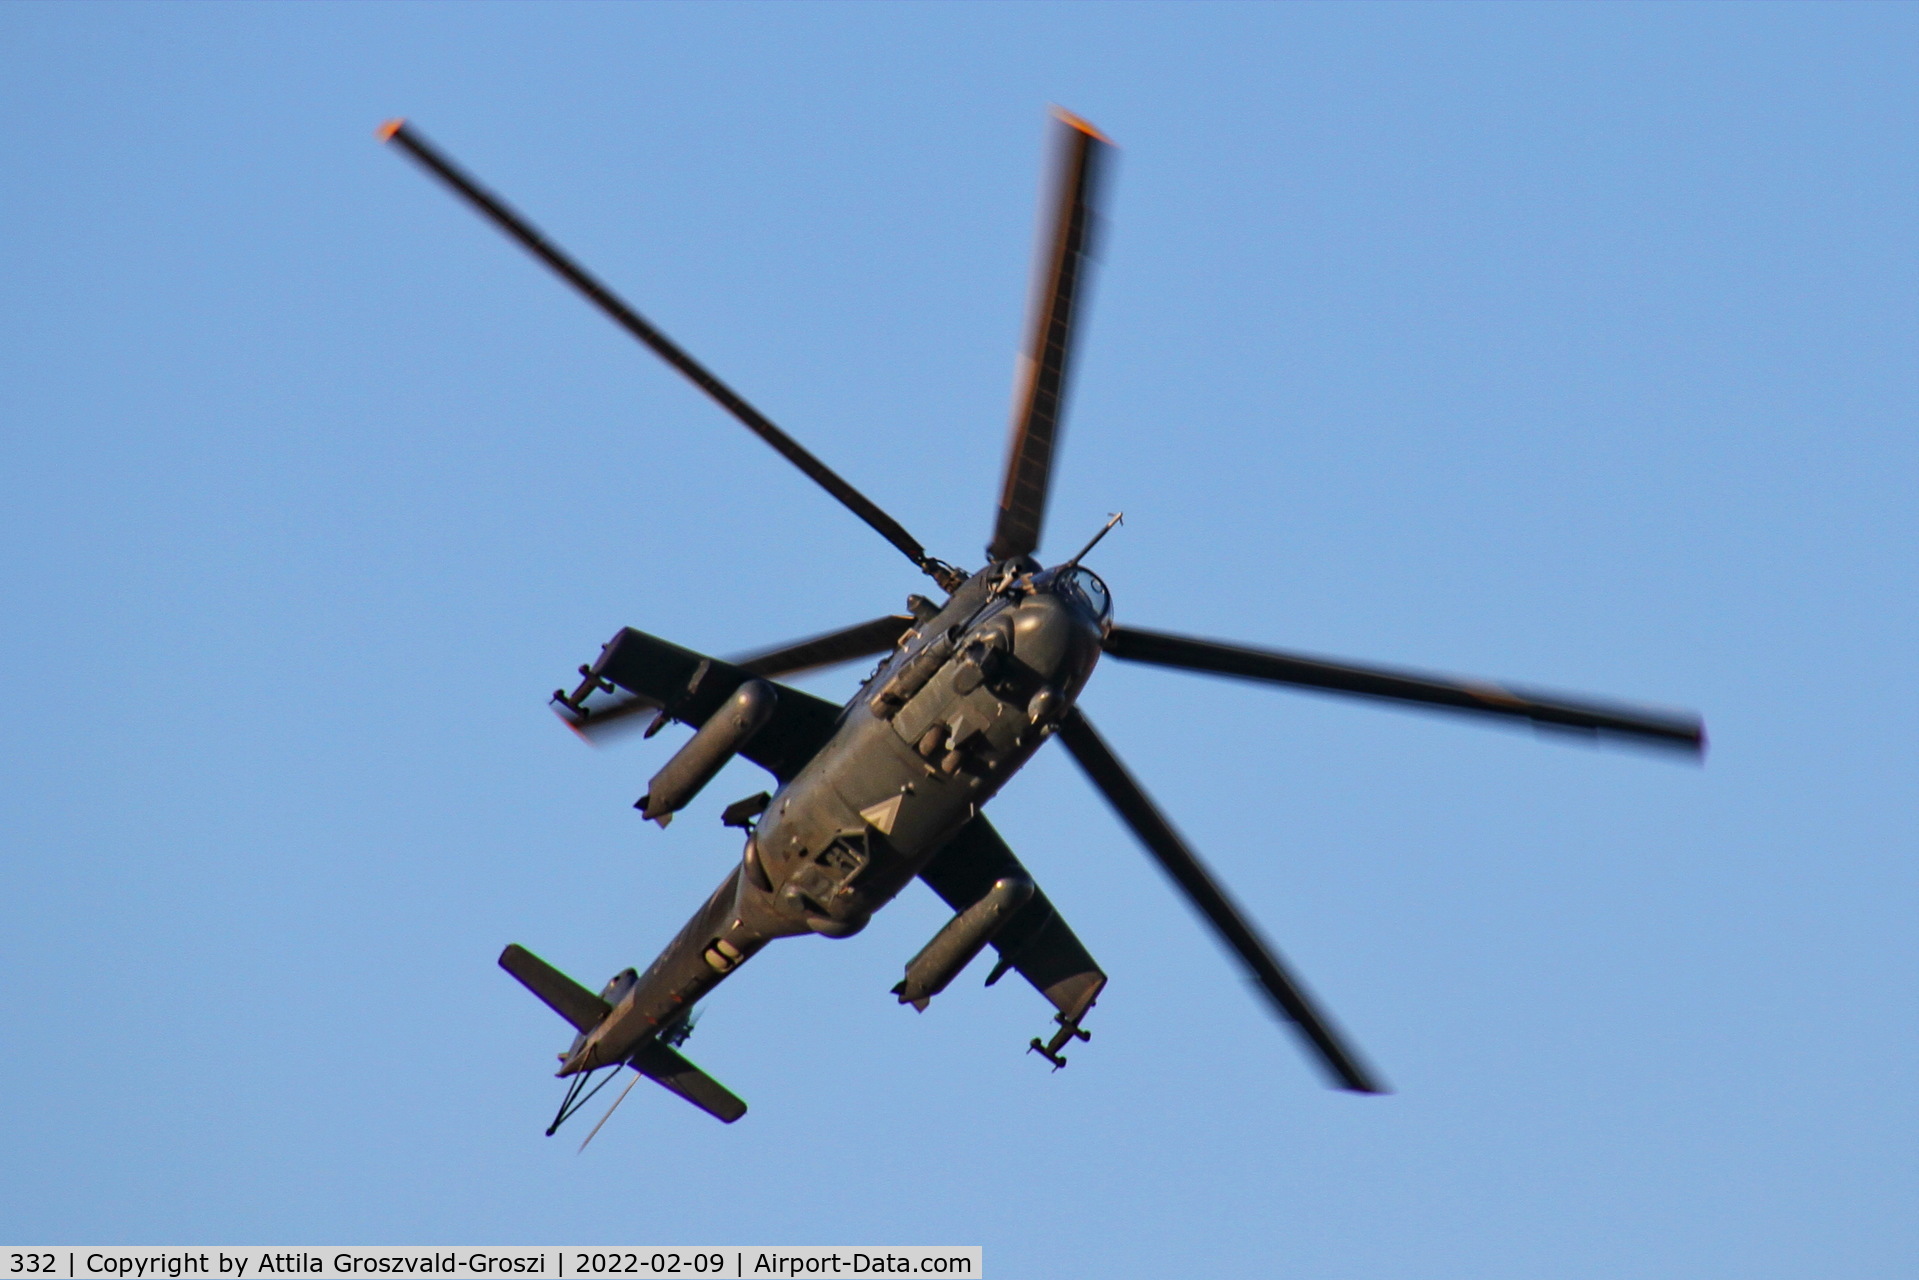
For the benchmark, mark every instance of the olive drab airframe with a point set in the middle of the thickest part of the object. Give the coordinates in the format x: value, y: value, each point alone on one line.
x: 890, y: 787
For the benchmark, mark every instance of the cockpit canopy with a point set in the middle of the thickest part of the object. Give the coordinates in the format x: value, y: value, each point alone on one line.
x: 1081, y: 586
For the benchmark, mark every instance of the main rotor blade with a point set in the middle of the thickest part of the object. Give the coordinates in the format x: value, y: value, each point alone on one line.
x: 1165, y: 844
x: 830, y: 649
x: 1667, y: 729
x: 513, y: 224
x: 1039, y: 393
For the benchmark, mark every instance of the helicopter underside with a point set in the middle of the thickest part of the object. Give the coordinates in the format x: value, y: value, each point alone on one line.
x: 894, y: 792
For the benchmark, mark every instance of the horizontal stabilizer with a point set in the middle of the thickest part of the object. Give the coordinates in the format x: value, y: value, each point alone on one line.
x: 562, y: 995
x: 659, y: 1063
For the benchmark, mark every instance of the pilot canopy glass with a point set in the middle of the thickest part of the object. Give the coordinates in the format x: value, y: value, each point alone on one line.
x: 1082, y: 586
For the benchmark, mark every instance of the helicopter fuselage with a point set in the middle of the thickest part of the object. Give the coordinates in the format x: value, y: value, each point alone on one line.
x: 967, y: 697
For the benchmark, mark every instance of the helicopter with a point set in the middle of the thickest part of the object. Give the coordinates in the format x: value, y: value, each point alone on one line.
x: 890, y: 787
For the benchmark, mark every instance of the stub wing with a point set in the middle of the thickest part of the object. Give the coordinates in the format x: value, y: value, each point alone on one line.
x: 1037, y: 942
x: 657, y: 675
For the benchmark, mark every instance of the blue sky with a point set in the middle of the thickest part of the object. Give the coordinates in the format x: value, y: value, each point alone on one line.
x: 1568, y: 345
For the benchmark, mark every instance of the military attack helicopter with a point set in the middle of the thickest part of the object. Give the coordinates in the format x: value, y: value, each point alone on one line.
x: 891, y: 785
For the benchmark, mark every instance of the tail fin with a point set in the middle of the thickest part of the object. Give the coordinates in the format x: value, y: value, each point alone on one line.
x: 562, y: 995
x: 662, y: 1065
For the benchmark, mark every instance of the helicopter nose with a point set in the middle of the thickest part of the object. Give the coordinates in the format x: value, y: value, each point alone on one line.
x: 1055, y: 640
